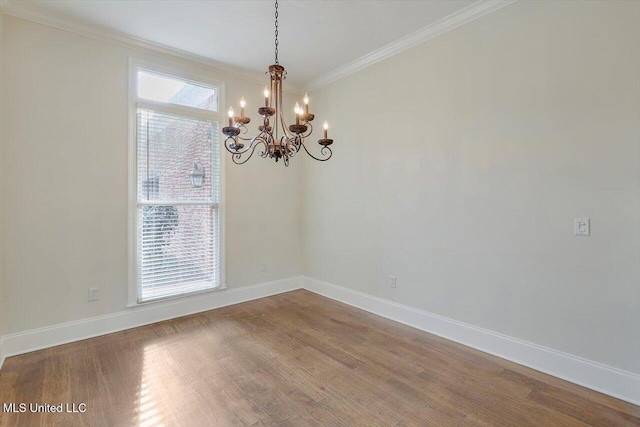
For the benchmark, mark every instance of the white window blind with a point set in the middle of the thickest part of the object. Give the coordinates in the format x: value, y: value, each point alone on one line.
x: 178, y: 225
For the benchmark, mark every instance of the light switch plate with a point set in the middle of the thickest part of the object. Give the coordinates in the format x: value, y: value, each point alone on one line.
x: 582, y: 227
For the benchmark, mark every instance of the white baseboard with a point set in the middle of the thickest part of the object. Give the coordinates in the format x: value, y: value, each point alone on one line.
x: 596, y: 376
x: 605, y: 379
x: 36, y: 339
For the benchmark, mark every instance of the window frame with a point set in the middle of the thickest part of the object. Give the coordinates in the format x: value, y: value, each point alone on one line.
x: 185, y: 74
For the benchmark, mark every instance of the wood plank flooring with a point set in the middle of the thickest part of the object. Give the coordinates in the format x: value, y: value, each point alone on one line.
x: 294, y: 359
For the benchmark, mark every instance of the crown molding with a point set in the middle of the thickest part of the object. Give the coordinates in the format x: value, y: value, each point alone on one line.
x: 34, y: 13
x: 448, y: 23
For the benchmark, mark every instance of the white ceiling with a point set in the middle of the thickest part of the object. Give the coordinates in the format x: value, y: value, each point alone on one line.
x: 316, y: 37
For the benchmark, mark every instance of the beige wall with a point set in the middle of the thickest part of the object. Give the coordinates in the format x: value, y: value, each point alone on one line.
x: 64, y: 181
x: 460, y: 164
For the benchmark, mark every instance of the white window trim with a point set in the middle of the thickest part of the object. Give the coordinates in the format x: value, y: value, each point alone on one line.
x: 135, y: 103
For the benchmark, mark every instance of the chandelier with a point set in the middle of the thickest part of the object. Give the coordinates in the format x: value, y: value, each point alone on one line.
x: 276, y: 140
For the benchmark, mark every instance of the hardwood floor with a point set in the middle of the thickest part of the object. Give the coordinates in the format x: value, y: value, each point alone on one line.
x: 294, y: 359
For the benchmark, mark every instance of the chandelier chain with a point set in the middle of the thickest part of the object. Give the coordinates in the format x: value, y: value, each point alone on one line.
x: 277, y: 32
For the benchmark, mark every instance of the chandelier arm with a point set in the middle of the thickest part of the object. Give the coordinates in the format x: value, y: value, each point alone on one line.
x: 308, y: 132
x: 233, y: 141
x: 264, y: 153
x: 295, y: 142
x: 233, y: 151
x: 265, y: 143
x: 269, y: 146
x: 323, y: 151
x: 291, y: 147
x: 237, y: 157
x: 293, y: 151
x: 254, y: 141
x: 244, y: 130
x: 260, y: 135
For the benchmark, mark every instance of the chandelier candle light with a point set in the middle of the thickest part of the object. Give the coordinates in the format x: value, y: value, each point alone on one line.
x: 274, y: 145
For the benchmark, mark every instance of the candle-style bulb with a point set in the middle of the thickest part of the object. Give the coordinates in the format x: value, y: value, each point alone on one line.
x: 266, y: 96
x: 243, y: 103
x: 297, y: 108
x: 326, y: 125
x: 230, y: 116
x: 306, y: 103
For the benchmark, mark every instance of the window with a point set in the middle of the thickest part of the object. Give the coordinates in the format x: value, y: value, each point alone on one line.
x: 157, y: 87
x: 175, y: 226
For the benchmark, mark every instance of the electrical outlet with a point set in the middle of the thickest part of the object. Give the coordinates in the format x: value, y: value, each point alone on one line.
x: 93, y: 294
x: 264, y: 267
x: 392, y: 281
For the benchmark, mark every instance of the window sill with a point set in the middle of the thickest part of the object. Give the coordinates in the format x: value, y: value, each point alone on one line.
x: 175, y: 297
